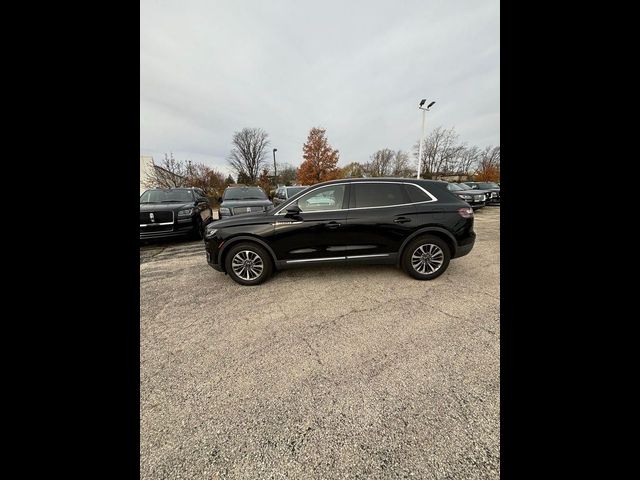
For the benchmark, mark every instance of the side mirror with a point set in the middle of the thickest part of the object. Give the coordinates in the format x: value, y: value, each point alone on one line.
x: 219, y: 199
x: 293, y: 210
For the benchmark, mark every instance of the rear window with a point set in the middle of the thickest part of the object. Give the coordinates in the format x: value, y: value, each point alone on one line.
x: 379, y: 194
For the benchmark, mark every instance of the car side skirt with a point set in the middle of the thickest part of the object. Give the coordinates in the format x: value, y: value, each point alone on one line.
x: 377, y: 259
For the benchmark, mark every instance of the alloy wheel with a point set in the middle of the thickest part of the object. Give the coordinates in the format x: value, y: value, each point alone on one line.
x: 247, y: 265
x: 427, y: 259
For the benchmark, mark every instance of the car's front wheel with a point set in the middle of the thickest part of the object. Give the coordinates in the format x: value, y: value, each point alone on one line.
x: 426, y: 257
x: 248, y: 264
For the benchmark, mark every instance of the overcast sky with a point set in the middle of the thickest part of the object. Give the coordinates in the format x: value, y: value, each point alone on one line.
x: 356, y: 68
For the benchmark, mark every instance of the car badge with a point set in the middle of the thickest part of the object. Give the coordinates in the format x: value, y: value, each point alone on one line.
x: 248, y: 209
x: 152, y: 217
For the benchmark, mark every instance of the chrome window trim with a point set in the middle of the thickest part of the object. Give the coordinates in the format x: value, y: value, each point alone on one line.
x: 368, y: 256
x: 282, y: 210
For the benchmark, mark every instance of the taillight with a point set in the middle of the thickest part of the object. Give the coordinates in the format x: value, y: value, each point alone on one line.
x: 466, y: 212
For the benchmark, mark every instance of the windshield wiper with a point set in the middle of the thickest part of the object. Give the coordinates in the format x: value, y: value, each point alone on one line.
x: 252, y: 198
x: 173, y: 201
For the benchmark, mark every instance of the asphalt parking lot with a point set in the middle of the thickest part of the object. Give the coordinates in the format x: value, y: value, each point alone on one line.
x: 321, y: 372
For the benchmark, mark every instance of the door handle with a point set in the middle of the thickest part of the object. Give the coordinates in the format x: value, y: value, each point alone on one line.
x: 333, y: 225
x: 402, y: 220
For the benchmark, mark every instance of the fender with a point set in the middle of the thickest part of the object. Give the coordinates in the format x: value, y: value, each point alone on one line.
x: 427, y: 230
x: 239, y: 238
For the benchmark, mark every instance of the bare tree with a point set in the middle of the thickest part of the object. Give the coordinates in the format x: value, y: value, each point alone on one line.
x: 352, y: 170
x: 381, y: 163
x: 489, y: 165
x: 439, y: 152
x: 249, y: 152
x: 401, y: 166
x: 170, y: 173
x: 468, y: 160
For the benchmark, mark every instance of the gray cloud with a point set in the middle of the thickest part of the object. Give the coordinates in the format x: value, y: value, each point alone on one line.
x: 356, y: 68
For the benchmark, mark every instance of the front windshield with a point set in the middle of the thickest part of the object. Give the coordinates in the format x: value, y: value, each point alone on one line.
x: 487, y: 185
x: 454, y: 186
x: 244, y: 193
x: 166, y: 196
x: 464, y: 186
x: 294, y: 190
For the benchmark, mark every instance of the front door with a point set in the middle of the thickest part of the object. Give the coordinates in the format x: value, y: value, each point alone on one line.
x: 317, y: 234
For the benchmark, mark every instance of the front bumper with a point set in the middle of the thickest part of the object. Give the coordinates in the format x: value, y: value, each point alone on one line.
x: 179, y: 228
x: 212, y: 249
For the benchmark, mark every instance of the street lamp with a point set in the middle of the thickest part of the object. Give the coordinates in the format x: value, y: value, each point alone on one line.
x: 275, y: 171
x: 424, y: 111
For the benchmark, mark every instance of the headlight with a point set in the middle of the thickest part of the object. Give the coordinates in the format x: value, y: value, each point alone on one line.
x: 494, y: 194
x: 225, y: 211
x: 466, y: 197
x: 210, y: 232
x: 185, y: 213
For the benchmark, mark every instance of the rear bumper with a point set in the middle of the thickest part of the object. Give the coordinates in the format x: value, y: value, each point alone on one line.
x: 465, y: 247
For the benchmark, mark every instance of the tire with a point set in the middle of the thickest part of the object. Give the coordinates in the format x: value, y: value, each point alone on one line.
x: 250, y: 252
x: 432, y: 253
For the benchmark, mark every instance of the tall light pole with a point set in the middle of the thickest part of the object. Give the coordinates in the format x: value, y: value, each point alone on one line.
x: 424, y: 112
x: 275, y: 171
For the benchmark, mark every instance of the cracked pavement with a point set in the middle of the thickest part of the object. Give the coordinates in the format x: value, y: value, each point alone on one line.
x: 321, y: 372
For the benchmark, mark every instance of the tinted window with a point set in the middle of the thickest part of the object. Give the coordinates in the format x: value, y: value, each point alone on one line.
x: 325, y: 198
x: 417, y: 195
x: 244, y: 193
x: 488, y: 185
x: 379, y: 194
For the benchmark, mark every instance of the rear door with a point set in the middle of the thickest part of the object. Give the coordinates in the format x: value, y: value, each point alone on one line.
x: 380, y: 217
x: 318, y: 233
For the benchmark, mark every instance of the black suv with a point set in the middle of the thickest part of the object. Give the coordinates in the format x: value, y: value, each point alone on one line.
x: 240, y: 199
x: 491, y: 188
x: 475, y: 198
x: 174, y: 212
x: 416, y: 224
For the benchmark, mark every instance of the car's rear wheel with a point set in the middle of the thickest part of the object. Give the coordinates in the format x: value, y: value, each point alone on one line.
x: 426, y: 257
x: 248, y: 264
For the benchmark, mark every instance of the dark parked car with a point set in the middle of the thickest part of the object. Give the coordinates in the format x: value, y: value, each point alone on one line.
x: 285, y: 193
x: 474, y: 198
x: 416, y: 224
x: 491, y: 187
x: 243, y: 199
x: 174, y: 212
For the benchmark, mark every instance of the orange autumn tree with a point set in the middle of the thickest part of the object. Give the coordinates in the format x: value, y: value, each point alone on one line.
x: 320, y: 160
